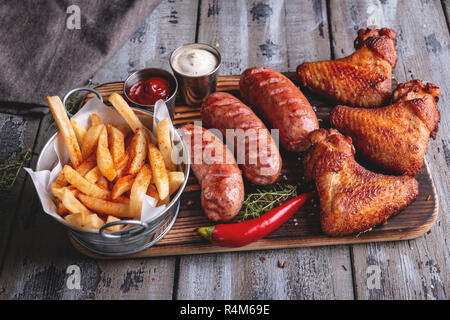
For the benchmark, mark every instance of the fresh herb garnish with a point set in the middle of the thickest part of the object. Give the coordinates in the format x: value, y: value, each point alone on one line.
x: 262, y: 201
x: 73, y: 102
x: 11, y: 170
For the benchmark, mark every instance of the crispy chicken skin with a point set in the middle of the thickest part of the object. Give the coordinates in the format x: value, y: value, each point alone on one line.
x: 362, y: 79
x: 352, y: 199
x: 394, y: 137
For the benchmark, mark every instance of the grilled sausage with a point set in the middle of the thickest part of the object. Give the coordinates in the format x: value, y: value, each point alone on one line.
x: 256, y: 151
x: 217, y: 172
x: 281, y: 104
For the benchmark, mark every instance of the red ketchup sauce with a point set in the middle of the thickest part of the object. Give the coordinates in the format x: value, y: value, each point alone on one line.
x: 150, y: 90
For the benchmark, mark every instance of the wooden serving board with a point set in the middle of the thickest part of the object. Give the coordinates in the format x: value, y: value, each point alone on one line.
x: 303, y: 229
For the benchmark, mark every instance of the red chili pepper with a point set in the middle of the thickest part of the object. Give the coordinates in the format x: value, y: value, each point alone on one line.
x: 239, y: 234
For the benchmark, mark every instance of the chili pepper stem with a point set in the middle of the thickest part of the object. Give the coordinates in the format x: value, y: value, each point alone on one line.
x: 206, y: 232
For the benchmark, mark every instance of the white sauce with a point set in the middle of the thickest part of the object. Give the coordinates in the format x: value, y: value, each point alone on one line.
x: 194, y: 62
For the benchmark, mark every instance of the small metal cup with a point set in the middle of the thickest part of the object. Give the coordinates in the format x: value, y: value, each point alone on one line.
x: 193, y: 89
x: 146, y: 74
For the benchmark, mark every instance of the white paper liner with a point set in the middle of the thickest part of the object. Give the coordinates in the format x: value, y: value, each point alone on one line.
x: 56, y: 155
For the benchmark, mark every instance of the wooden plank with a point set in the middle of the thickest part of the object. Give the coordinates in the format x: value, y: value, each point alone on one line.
x: 250, y: 33
x: 416, y: 269
x: 17, y: 133
x: 40, y: 252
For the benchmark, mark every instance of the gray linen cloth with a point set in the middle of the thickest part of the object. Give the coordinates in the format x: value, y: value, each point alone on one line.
x: 42, y: 51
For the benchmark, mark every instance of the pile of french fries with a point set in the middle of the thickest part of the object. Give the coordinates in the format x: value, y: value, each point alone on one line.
x: 111, y: 168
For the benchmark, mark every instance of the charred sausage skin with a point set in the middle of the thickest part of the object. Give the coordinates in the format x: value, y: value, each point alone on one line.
x: 213, y: 164
x: 281, y: 104
x: 260, y: 157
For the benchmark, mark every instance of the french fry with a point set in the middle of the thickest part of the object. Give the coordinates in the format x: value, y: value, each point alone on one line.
x: 106, y: 207
x: 79, y: 182
x: 160, y: 176
x: 138, y: 190
x: 138, y: 152
x: 165, y: 144
x: 93, y: 175
x: 87, y: 165
x: 104, y: 159
x: 66, y: 130
x: 61, y: 180
x: 61, y: 209
x: 152, y: 192
x: 95, y: 120
x: 113, y: 228
x: 121, y: 186
x: 125, y: 111
x: 74, y: 219
x: 73, y: 205
x: 90, y: 140
x: 116, y: 144
x: 80, y: 132
x: 57, y: 190
x: 93, y: 222
x: 176, y: 179
x: 102, y: 182
x: 122, y: 199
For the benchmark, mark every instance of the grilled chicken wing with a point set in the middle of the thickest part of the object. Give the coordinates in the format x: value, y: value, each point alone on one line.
x: 352, y: 199
x: 394, y: 137
x: 362, y: 79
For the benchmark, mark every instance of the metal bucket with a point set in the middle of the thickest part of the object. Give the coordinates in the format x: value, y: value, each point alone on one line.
x: 136, y: 235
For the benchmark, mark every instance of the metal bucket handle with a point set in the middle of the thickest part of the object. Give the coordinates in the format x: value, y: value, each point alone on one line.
x: 122, y: 233
x: 68, y: 94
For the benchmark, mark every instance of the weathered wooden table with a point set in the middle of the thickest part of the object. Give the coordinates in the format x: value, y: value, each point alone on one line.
x: 36, y: 257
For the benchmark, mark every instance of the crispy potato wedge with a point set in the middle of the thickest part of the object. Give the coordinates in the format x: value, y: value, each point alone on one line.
x: 73, y: 205
x: 104, y: 158
x: 87, y: 165
x: 75, y: 220
x: 138, y: 190
x: 66, y: 130
x: 138, y: 152
x: 93, y: 222
x: 93, y: 175
x: 176, y: 179
x: 95, y: 120
x: 113, y: 228
x: 61, y: 180
x: 102, y: 182
x: 57, y: 190
x: 122, y: 199
x: 121, y: 186
x: 116, y: 144
x: 160, y: 176
x: 125, y: 111
x: 79, y: 182
x: 152, y: 192
x: 80, y: 132
x: 90, y: 140
x: 106, y: 207
x: 165, y: 144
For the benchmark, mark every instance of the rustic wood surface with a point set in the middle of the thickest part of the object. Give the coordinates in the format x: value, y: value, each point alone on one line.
x: 35, y: 252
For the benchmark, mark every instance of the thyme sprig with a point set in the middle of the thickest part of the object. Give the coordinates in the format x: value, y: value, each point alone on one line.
x: 262, y: 201
x: 11, y: 170
x: 73, y: 103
